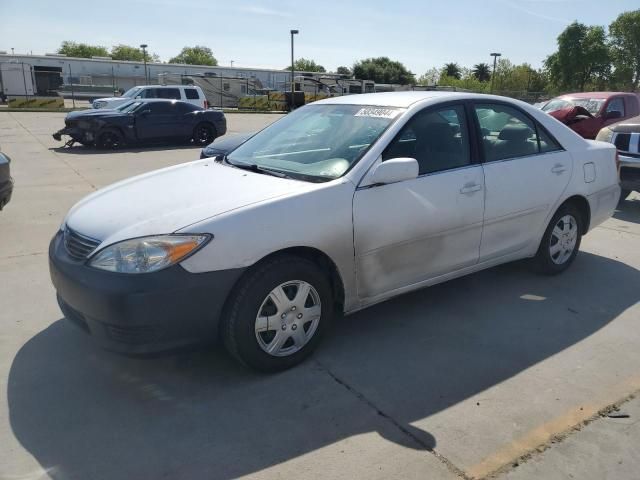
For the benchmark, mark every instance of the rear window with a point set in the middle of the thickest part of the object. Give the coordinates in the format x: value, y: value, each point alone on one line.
x: 191, y: 93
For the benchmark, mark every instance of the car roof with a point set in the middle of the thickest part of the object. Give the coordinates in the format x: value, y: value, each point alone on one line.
x: 403, y: 99
x: 160, y: 100
x: 593, y: 94
x: 166, y: 86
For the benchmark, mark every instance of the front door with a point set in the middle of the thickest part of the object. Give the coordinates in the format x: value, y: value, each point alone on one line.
x: 411, y: 231
x: 156, y: 121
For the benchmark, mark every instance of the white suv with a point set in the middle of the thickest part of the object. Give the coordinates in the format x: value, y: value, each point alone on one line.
x: 186, y: 93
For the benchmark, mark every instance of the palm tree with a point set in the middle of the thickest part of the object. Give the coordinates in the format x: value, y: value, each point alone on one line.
x: 452, y: 70
x: 482, y: 72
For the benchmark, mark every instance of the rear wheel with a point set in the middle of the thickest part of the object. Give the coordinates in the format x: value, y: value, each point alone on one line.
x: 204, y: 134
x: 110, y: 138
x: 278, y: 314
x: 561, y: 241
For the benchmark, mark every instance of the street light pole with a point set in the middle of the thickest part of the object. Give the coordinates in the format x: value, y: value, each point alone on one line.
x: 231, y: 63
x: 144, y: 57
x: 293, y: 85
x: 495, y: 61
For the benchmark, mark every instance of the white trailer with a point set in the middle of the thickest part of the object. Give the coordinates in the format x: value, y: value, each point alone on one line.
x: 17, y: 79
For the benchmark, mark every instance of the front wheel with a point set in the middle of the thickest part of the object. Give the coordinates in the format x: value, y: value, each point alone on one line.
x: 204, y: 134
x: 278, y: 313
x: 623, y: 195
x: 561, y: 241
x: 110, y: 138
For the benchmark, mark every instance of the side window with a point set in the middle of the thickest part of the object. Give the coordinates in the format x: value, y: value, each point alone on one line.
x: 191, y: 93
x: 506, y: 132
x: 182, y: 107
x: 150, y: 93
x: 437, y: 139
x: 161, y: 108
x: 616, y: 105
x: 226, y: 87
x: 547, y: 142
x: 169, y: 93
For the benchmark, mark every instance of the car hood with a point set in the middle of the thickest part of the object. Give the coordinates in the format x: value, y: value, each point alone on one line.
x: 630, y: 125
x: 173, y: 198
x: 92, y: 113
x: 566, y: 115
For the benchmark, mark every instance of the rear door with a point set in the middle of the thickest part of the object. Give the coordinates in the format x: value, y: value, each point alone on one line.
x: 525, y: 170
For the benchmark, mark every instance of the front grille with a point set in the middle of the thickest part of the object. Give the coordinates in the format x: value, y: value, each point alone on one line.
x: 622, y: 141
x: 78, y: 246
x: 630, y: 174
x: 132, y: 334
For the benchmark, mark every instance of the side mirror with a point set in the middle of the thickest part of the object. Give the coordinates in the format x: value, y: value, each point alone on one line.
x: 613, y: 115
x: 395, y: 170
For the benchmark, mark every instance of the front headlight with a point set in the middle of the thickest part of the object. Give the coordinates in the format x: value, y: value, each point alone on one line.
x: 605, y: 135
x: 147, y: 254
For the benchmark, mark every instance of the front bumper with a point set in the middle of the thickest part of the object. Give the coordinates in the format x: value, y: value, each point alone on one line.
x: 77, y: 134
x: 140, y: 314
x: 630, y: 173
x: 6, y: 190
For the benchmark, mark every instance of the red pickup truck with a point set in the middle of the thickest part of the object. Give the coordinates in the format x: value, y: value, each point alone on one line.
x: 587, y: 112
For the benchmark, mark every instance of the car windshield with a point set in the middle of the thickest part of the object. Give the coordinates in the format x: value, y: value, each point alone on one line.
x: 316, y: 142
x: 592, y: 105
x: 131, y: 93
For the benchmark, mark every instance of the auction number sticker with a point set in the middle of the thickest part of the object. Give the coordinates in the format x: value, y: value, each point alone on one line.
x: 377, y: 112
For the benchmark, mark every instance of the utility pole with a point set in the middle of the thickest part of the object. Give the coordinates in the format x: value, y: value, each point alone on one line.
x: 495, y: 61
x: 144, y: 57
x: 293, y: 85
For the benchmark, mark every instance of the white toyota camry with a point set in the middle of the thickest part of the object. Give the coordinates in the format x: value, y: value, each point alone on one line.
x: 339, y: 205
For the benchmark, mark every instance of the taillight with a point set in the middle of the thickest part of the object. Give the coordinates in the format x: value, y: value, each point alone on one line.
x: 206, y: 104
x: 618, y: 164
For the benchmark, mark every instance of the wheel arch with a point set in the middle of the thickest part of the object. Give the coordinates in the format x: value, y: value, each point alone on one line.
x: 582, y: 205
x: 321, y: 259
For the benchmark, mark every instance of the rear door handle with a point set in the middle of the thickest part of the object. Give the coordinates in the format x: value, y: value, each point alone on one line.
x: 558, y: 169
x: 470, y: 188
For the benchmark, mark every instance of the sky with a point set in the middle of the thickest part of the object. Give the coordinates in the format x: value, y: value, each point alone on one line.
x: 255, y: 33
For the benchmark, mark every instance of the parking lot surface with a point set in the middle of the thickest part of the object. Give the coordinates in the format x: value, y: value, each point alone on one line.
x: 501, y: 373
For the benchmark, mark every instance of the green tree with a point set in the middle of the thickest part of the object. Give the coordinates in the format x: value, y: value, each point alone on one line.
x: 82, y: 50
x: 343, y: 71
x: 430, y: 78
x: 624, y: 34
x: 582, y: 58
x: 197, y: 55
x: 383, y: 70
x: 452, y: 70
x: 305, y: 65
x: 482, y: 72
x: 127, y: 52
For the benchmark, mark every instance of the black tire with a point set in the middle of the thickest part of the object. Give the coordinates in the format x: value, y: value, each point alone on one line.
x: 203, y: 134
x: 551, y: 264
x: 238, y: 325
x: 110, y: 138
x: 623, y: 195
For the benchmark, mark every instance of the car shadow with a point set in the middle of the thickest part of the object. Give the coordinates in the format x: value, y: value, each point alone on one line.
x: 628, y: 210
x: 139, y: 148
x: 84, y: 413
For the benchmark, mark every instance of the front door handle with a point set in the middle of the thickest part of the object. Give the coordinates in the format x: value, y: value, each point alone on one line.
x: 558, y: 169
x: 470, y: 188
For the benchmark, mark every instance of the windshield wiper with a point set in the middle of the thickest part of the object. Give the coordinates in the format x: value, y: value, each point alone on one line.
x: 255, y: 168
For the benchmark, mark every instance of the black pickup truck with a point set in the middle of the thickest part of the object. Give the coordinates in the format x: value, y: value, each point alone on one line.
x: 144, y: 121
x: 6, y: 182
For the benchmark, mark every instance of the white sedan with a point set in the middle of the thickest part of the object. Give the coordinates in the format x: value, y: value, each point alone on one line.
x: 340, y: 205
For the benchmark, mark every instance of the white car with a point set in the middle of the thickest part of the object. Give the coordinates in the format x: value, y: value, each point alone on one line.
x: 186, y: 93
x: 339, y: 205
